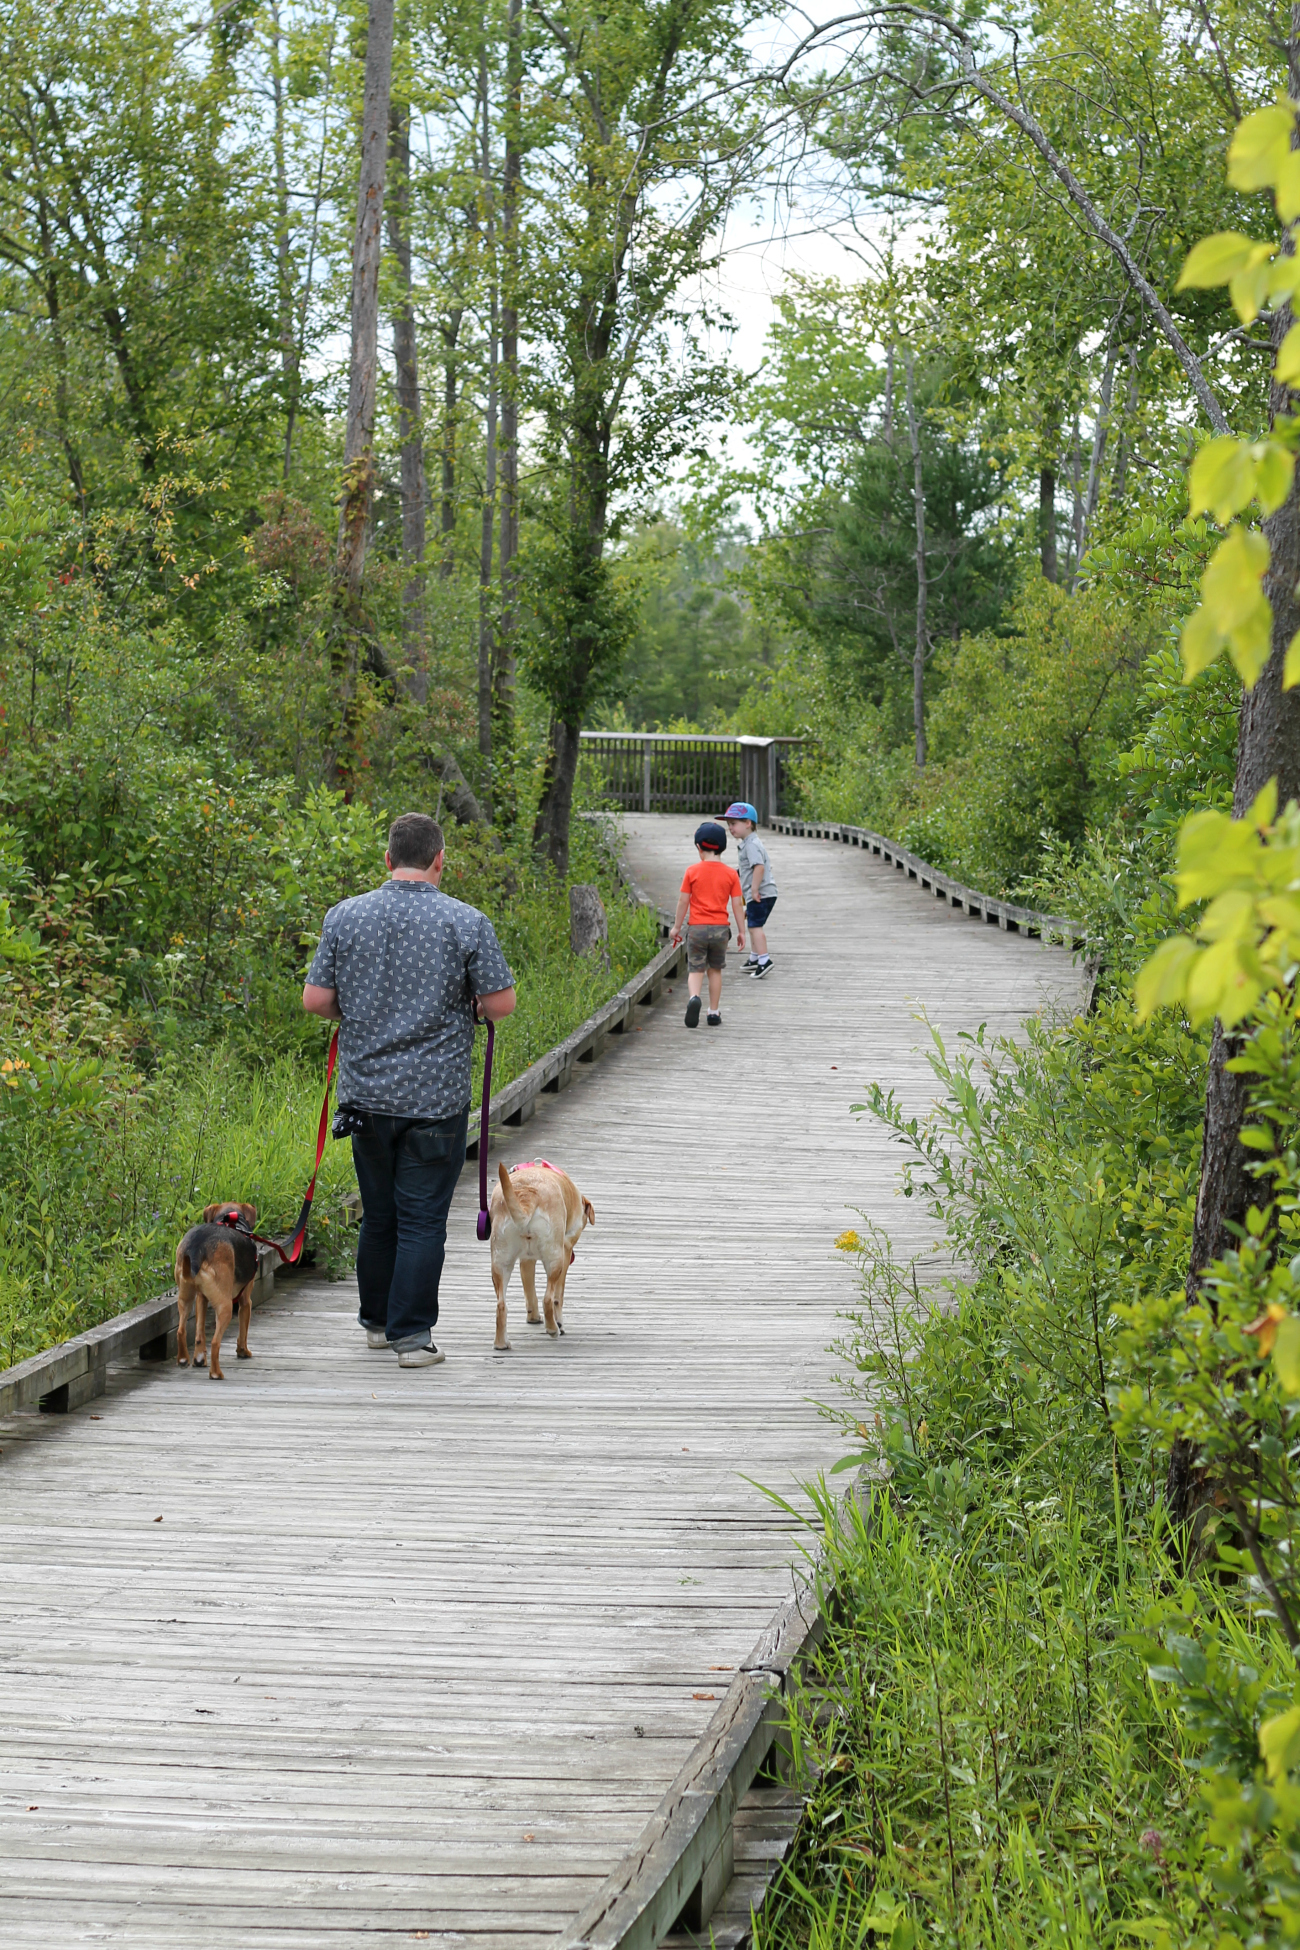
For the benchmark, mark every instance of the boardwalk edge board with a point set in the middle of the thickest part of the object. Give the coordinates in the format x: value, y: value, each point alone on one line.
x: 682, y: 1861
x: 73, y: 1373
x: 1000, y: 913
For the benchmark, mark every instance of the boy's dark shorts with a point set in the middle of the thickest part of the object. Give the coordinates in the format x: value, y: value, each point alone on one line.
x: 706, y: 947
x: 756, y: 912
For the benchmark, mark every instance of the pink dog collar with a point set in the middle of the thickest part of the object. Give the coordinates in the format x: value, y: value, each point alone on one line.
x: 541, y: 1164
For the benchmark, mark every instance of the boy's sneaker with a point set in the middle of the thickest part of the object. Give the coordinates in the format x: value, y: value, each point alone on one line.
x: 713, y: 1018
x: 376, y: 1337
x: 761, y: 968
x: 420, y: 1357
x: 693, y: 1013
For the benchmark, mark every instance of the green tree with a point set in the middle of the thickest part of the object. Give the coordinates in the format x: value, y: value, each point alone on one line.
x: 623, y: 379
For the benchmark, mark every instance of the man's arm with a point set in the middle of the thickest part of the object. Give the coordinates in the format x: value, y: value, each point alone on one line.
x: 322, y: 1002
x: 683, y: 908
x: 738, y: 909
x: 494, y: 1007
x: 756, y: 881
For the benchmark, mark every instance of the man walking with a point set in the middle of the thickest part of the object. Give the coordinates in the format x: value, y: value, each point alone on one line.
x: 406, y: 971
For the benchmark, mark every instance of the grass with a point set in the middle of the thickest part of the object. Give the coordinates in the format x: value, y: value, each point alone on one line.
x: 1032, y: 1722
x: 104, y: 1162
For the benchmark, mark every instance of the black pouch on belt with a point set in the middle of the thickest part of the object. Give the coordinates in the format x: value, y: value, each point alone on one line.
x: 348, y: 1122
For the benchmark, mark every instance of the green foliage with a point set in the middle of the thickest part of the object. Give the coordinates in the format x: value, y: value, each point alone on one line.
x: 1025, y: 738
x: 698, y: 645
x: 1030, y: 1717
x: 581, y: 620
x: 117, y: 1128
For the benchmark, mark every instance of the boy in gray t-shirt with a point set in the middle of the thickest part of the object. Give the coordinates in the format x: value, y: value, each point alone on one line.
x: 756, y: 879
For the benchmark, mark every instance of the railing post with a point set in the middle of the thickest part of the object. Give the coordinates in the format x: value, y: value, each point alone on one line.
x: 646, y: 750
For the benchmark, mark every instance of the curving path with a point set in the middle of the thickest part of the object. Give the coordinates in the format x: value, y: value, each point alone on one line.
x: 337, y: 1651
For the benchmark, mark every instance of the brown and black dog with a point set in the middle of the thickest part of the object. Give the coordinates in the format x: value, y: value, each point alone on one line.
x: 216, y: 1262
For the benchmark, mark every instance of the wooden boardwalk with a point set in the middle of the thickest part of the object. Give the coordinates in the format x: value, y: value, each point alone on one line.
x: 338, y: 1651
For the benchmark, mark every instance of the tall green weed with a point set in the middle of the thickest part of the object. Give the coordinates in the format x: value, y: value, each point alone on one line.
x: 1036, y: 1718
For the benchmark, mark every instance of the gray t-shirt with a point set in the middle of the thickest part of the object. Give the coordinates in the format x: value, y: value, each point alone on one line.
x: 406, y: 961
x: 750, y: 851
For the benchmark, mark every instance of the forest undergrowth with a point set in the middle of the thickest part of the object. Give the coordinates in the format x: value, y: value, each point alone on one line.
x: 138, y: 1086
x: 1041, y: 1713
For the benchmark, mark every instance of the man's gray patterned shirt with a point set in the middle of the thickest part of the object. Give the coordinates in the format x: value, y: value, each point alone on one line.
x: 406, y: 961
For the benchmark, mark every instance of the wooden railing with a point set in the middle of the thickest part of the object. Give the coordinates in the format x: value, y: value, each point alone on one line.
x: 663, y: 771
x: 73, y: 1373
x: 988, y: 907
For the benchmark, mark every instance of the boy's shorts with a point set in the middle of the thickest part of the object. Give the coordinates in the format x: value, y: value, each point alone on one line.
x: 707, y: 947
x: 756, y: 912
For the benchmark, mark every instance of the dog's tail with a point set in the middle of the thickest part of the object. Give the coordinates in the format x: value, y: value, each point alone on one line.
x: 511, y: 1197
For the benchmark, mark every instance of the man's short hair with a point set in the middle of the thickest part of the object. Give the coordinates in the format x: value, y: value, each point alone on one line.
x: 414, y: 840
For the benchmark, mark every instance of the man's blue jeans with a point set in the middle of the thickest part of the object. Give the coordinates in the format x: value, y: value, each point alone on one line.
x: 407, y: 1169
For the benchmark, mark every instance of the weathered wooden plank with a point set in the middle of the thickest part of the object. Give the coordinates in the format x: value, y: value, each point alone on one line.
x: 480, y: 1601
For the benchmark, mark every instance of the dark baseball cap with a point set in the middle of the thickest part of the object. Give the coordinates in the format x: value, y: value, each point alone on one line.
x: 711, y: 836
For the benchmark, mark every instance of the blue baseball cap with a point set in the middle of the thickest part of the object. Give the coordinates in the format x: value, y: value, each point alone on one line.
x: 711, y: 836
x: 741, y: 809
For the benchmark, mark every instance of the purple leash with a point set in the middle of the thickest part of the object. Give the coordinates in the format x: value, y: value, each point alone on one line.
x: 484, y: 1216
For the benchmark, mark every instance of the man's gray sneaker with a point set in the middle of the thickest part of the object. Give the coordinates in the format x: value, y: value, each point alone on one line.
x: 420, y: 1357
x: 376, y: 1337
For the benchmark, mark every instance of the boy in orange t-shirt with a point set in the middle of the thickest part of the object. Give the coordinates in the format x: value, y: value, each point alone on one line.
x: 707, y: 889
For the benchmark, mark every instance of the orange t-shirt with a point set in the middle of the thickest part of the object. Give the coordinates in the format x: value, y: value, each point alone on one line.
x: 710, y: 886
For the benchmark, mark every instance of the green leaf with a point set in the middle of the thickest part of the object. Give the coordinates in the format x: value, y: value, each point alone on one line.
x: 1230, y: 586
x: 1249, y: 287
x: 1260, y: 147
x: 1286, y: 192
x: 1279, y: 1743
x: 1222, y: 478
x: 1162, y: 981
x: 1274, y: 471
x: 1201, y: 641
x: 1287, y: 365
x: 1251, y: 643
x: 1291, y: 668
x: 1286, y: 1355
x: 1216, y: 259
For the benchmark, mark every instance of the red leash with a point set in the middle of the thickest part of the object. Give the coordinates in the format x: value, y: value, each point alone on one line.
x: 290, y: 1248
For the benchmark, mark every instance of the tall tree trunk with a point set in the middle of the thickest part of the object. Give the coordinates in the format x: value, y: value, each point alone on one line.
x: 450, y: 333
x: 503, y: 676
x: 1268, y: 747
x: 1076, y: 498
x: 1047, y: 522
x: 294, y: 398
x: 410, y: 430
x: 555, y: 807
x: 1099, y: 433
x: 920, y: 650
x: 358, y: 447
x: 283, y: 283
x: 1122, y: 443
x: 485, y: 616
x: 62, y: 394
